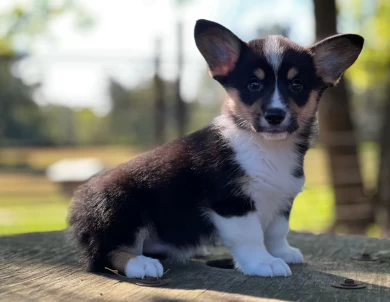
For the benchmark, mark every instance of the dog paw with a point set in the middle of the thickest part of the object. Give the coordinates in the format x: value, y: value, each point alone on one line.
x: 141, y: 266
x: 288, y: 254
x: 273, y: 268
x: 202, y: 251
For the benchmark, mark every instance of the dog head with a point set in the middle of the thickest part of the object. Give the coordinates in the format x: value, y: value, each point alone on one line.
x: 274, y: 84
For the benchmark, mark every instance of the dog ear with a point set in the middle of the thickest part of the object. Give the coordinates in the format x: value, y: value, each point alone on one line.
x: 334, y: 55
x: 218, y: 45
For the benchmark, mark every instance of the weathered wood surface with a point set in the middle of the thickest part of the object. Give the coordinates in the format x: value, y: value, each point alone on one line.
x: 43, y: 267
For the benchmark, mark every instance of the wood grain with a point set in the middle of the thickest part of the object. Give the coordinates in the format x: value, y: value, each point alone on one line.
x: 44, y: 267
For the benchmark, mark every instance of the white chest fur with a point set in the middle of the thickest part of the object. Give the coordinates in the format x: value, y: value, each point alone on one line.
x: 268, y: 166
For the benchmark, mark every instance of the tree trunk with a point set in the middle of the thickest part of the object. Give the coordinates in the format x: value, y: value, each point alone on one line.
x: 353, y: 210
x: 384, y: 171
x: 181, y: 108
x: 159, y: 102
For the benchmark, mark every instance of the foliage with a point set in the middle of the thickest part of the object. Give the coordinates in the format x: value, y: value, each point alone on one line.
x: 64, y: 126
x: 22, y: 22
x: 59, y: 124
x: 132, y: 115
x: 371, y: 20
x: 20, y: 117
x: 369, y: 75
x: 90, y: 129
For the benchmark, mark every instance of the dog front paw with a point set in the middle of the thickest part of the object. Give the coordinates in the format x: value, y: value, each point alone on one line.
x: 288, y: 254
x: 273, y: 268
x: 141, y: 267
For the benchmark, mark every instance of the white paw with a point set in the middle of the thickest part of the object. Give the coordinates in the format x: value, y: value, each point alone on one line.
x: 141, y: 266
x: 273, y: 268
x: 288, y: 254
x: 202, y: 251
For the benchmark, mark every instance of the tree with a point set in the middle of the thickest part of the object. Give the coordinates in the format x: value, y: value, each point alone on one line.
x: 181, y: 107
x: 26, y: 22
x: 353, y: 209
x: 130, y: 119
x: 371, y: 77
x: 384, y: 171
x: 21, y: 119
x: 91, y: 128
x: 159, y: 100
x: 58, y: 125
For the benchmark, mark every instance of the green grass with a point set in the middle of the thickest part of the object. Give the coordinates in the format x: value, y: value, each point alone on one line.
x: 312, y: 211
x: 30, y: 203
x: 16, y: 219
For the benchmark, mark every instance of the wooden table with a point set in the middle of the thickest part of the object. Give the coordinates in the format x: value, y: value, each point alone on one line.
x: 43, y: 267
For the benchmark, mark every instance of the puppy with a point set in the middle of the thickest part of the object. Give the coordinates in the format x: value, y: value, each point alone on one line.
x: 234, y: 180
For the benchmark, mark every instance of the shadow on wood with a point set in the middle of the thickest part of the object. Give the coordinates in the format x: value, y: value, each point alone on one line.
x: 44, y: 267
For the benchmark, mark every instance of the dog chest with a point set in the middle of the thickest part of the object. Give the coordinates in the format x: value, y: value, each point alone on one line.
x: 268, y: 168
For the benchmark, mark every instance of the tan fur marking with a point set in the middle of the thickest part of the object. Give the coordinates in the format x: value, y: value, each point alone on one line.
x: 305, y: 113
x: 119, y: 258
x: 292, y: 73
x: 247, y: 114
x: 259, y: 73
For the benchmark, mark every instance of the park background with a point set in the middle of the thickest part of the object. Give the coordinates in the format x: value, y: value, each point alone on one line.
x: 108, y: 80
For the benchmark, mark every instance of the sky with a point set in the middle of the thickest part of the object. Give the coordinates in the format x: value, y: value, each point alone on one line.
x: 74, y: 65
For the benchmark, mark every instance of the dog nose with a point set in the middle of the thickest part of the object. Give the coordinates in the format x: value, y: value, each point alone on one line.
x: 275, y: 116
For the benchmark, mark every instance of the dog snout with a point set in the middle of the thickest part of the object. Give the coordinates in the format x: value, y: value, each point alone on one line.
x: 275, y: 116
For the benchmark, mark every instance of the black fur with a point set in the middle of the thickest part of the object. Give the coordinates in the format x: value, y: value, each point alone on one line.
x: 169, y: 190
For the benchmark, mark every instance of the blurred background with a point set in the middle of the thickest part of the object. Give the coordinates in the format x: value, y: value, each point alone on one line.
x: 88, y: 84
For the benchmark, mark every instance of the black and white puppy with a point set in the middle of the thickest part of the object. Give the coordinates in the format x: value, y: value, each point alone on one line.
x: 234, y: 180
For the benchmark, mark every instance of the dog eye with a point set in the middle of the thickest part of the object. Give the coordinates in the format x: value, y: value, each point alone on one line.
x: 296, y: 86
x: 254, y: 85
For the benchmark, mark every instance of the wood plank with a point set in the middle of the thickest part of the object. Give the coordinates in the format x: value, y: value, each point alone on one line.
x: 44, y: 267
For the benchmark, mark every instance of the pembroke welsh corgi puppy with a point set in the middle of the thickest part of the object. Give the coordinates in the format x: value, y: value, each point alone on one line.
x: 234, y: 180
